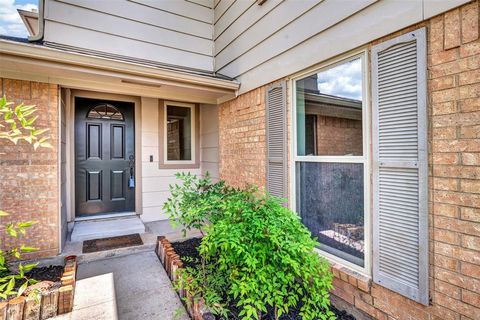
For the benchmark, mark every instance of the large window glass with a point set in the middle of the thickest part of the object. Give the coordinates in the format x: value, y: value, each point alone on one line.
x: 330, y: 159
x: 179, y: 133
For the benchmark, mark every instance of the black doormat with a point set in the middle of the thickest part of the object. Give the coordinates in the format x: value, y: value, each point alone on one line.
x: 96, y: 245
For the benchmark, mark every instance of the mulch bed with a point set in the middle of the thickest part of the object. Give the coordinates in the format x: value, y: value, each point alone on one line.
x: 50, y: 273
x: 103, y: 244
x: 189, y: 248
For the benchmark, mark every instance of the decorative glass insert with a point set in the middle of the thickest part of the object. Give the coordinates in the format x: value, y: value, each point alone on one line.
x: 179, y: 133
x: 329, y: 111
x: 331, y: 205
x: 105, y: 111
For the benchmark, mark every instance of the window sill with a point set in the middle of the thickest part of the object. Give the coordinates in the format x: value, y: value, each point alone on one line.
x: 354, y: 278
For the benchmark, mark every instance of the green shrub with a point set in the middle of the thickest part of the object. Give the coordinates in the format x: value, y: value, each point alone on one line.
x: 258, y: 250
x: 195, y: 202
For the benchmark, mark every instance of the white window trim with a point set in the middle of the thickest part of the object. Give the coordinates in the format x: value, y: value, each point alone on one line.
x: 365, y: 158
x: 165, y: 132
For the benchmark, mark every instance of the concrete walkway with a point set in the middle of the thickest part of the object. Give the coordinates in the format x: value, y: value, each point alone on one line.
x: 132, y: 287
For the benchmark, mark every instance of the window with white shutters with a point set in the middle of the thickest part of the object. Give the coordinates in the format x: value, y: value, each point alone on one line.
x: 400, y: 176
x: 276, y: 139
x: 330, y: 159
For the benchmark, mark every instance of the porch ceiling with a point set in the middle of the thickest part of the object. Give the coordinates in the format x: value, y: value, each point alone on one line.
x: 79, y: 71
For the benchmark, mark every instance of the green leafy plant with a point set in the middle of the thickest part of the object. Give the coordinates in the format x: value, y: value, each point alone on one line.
x: 256, y: 254
x: 18, y: 124
x: 195, y: 202
x: 8, y: 280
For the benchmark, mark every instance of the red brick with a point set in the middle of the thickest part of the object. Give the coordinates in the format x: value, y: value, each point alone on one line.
x: 445, y: 262
x: 457, y: 279
x: 457, y: 252
x: 457, y: 305
x: 470, y: 132
x: 448, y: 289
x: 461, y: 145
x: 444, y: 133
x: 472, y: 214
x: 471, y: 298
x: 468, y: 77
x: 471, y: 270
x: 31, y: 177
x: 470, y: 49
x: 470, y: 105
x: 458, y: 198
x: 457, y: 225
x: 446, y: 236
x: 445, y: 184
x: 446, y: 158
x: 452, y: 29
x: 442, y: 83
x: 436, y: 35
x: 471, y: 186
x: 471, y: 159
x: 443, y: 57
x: 470, y: 22
x: 471, y: 242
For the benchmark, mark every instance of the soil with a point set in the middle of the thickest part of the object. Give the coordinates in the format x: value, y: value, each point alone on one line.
x: 50, y: 273
x: 188, y: 252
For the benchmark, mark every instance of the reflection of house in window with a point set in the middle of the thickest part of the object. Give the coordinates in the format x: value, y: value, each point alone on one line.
x: 174, y: 138
x: 179, y: 128
x: 333, y: 125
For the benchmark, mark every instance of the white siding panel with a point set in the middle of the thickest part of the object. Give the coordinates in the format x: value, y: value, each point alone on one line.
x: 74, y: 36
x: 88, y: 19
x: 311, y: 23
x: 266, y: 30
x: 232, y: 14
x: 434, y: 7
x: 209, y: 140
x: 205, y: 3
x: 140, y: 13
x: 155, y: 184
x: 221, y: 8
x: 245, y: 21
x: 377, y: 20
x: 181, y: 8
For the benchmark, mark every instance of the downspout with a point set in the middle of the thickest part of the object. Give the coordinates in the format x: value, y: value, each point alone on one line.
x: 41, y: 23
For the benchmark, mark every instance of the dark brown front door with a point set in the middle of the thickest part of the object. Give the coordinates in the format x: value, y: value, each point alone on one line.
x: 104, y: 157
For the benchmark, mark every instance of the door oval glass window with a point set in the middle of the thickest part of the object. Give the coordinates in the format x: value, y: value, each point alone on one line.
x: 105, y: 111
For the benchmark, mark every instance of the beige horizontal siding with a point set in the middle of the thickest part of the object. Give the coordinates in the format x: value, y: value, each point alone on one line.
x: 176, y: 32
x: 182, y: 8
x: 264, y: 43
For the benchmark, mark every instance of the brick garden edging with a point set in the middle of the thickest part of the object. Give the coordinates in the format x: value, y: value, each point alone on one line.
x: 55, y: 299
x: 173, y: 266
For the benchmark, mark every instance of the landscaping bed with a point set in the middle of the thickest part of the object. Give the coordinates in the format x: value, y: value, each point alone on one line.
x: 54, y: 293
x: 177, y: 255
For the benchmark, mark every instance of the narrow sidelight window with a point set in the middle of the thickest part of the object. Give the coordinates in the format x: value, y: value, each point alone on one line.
x: 330, y: 158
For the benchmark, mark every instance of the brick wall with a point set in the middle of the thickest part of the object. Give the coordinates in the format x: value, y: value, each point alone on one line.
x: 242, y: 149
x: 28, y: 178
x: 454, y: 174
x: 339, y: 136
x: 454, y: 177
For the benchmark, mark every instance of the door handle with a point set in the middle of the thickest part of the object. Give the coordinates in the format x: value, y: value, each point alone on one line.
x: 131, y: 165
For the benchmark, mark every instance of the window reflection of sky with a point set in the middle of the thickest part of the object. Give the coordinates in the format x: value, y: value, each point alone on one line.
x: 344, y: 80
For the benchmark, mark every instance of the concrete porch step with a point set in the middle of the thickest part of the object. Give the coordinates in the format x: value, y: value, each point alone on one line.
x: 104, y: 228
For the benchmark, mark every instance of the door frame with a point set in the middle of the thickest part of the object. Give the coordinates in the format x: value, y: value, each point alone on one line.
x: 71, y: 94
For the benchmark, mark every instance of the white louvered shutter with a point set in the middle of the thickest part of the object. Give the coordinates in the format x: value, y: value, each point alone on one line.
x: 276, y: 120
x: 400, y: 176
